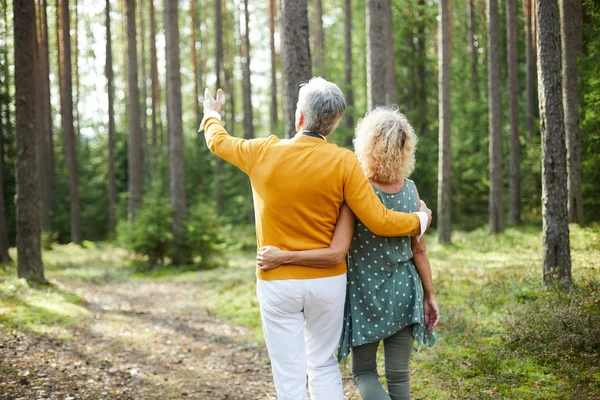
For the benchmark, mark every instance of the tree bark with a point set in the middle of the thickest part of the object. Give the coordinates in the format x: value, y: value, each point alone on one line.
x: 272, y: 16
x: 381, y: 76
x: 444, y: 200
x: 220, y: 197
x: 530, y: 74
x: 246, y: 87
x: 76, y: 68
x: 134, y: 150
x: 197, y: 112
x: 557, y: 257
x: 30, y: 264
x: 4, y: 121
x: 514, y: 188
x: 144, y: 97
x: 318, y: 39
x: 572, y: 43
x: 175, y: 129
x: 349, y: 116
x: 112, y: 186
x: 4, y: 256
x: 66, y: 112
x: 296, y: 57
x: 155, y: 84
x: 495, y: 122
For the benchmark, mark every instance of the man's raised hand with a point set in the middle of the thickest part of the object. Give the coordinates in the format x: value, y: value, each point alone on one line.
x: 212, y: 104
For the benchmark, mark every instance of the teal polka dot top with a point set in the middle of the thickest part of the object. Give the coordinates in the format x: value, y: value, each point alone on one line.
x: 384, y: 293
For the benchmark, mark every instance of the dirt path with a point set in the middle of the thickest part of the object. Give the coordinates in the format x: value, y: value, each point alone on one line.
x: 144, y: 341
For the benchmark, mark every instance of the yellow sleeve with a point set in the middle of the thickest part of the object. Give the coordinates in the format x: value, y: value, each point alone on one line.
x: 367, y: 207
x: 240, y: 152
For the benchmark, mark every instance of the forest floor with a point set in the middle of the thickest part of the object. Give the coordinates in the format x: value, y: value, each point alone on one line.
x: 104, y: 331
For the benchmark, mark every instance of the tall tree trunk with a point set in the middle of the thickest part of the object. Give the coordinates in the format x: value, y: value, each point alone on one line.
x: 473, y: 49
x: 155, y: 104
x: 30, y: 264
x: 246, y: 88
x: 220, y: 197
x: 422, y: 70
x: 144, y: 97
x: 495, y: 122
x: 112, y: 186
x: 134, y: 150
x: 66, y: 112
x: 557, y: 257
x: 381, y: 87
x: 514, y: 188
x: 530, y: 75
x: 4, y: 121
x: 571, y: 32
x: 76, y: 68
x: 444, y: 201
x: 318, y: 39
x: 194, y: 62
x: 174, y: 124
x: 48, y: 142
x: 296, y: 57
x: 272, y: 16
x: 349, y: 117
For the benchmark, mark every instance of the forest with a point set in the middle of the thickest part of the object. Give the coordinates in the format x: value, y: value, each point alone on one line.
x: 127, y: 249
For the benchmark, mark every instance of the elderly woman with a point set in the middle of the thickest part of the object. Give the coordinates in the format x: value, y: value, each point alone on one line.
x: 384, y: 300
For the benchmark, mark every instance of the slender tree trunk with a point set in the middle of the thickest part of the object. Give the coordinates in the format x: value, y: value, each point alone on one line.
x: 246, y: 88
x: 572, y: 43
x: 296, y: 57
x: 272, y: 16
x: 349, y: 117
x: 473, y: 49
x: 30, y: 264
x: 495, y: 122
x: 134, y: 149
x: 444, y: 201
x: 47, y: 107
x: 155, y: 104
x: 514, y: 190
x: 220, y: 197
x: 318, y: 39
x: 76, y: 68
x: 194, y: 62
x: 66, y: 112
x: 381, y: 85
x: 174, y: 124
x: 557, y: 257
x: 144, y: 97
x: 112, y: 186
x: 4, y: 121
x: 422, y: 70
x: 530, y: 75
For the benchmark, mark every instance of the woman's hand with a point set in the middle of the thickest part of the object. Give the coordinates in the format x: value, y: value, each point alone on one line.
x: 432, y: 312
x: 269, y: 257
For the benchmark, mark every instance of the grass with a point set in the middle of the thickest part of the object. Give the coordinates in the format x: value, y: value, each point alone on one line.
x: 502, y: 336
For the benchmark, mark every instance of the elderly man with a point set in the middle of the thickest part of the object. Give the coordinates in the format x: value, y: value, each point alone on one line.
x: 299, y: 185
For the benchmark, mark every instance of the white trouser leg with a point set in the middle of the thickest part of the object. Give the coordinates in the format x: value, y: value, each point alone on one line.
x: 324, y: 314
x: 281, y: 308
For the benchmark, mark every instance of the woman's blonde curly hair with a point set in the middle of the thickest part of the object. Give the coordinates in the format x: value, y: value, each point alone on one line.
x: 385, y: 144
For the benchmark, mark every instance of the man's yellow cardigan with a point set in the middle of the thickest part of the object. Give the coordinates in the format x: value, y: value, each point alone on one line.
x: 299, y: 186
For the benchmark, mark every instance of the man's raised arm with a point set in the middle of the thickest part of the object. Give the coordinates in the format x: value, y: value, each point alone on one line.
x: 367, y: 207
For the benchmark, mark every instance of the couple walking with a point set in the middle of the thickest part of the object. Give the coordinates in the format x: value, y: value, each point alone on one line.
x: 315, y: 203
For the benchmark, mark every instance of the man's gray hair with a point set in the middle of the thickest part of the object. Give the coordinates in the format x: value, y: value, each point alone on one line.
x: 322, y: 103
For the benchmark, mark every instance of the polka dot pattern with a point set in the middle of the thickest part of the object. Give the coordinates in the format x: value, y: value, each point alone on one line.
x: 384, y: 288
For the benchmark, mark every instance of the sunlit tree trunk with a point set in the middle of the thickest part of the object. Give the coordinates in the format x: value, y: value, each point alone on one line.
x: 514, y: 188
x: 555, y: 236
x: 76, y: 68
x: 349, y: 116
x: 296, y: 57
x: 421, y: 69
x: 318, y: 39
x: 381, y: 76
x: 194, y: 62
x: 174, y: 124
x: 112, y: 186
x: 571, y: 34
x: 66, y: 112
x: 144, y: 96
x: 134, y: 150
x: 155, y: 85
x: 530, y: 74
x: 495, y: 123
x: 220, y: 197
x: 246, y: 88
x: 272, y: 15
x: 30, y: 264
x: 444, y: 202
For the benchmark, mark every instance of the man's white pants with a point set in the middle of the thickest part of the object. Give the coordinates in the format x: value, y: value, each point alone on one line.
x: 302, y: 322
